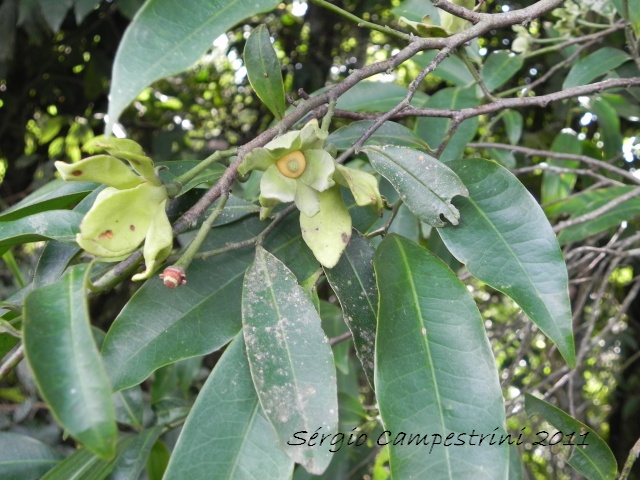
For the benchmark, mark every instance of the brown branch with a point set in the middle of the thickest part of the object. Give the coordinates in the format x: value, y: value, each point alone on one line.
x: 560, y: 156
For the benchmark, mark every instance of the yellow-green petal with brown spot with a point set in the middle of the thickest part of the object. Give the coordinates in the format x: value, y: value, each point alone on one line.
x: 102, y: 169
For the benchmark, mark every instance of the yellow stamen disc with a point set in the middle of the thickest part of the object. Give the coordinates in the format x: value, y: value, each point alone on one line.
x: 292, y: 164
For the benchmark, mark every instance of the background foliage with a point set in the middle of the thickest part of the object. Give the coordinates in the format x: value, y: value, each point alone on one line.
x: 527, y: 120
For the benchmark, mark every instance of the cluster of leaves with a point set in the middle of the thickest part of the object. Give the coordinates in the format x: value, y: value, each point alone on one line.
x: 282, y: 394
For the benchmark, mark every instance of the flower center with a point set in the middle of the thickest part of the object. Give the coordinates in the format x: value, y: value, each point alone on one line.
x: 292, y: 165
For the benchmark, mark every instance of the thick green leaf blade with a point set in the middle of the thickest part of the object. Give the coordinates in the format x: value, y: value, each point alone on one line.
x: 558, y: 186
x: 434, y: 130
x: 226, y: 431
x: 374, y: 97
x: 263, y: 70
x: 290, y: 358
x: 513, y: 123
x: 132, y: 460
x: 61, y: 351
x: 505, y: 240
x: 61, y: 225
x: 499, y: 67
x: 160, y: 326
x: 424, y: 184
x: 25, y: 458
x: 390, y: 133
x: 594, y: 460
x: 55, y: 11
x: 435, y: 373
x: 165, y: 38
x: 55, y: 195
x: 609, y: 124
x: 452, y: 69
x: 594, y: 65
x: 354, y: 283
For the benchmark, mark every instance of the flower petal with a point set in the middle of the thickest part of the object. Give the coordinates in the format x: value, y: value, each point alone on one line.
x: 282, y: 144
x: 319, y: 172
x: 256, y: 159
x: 158, y: 243
x: 130, y: 151
x: 100, y: 168
x: 307, y: 199
x: 119, y: 220
x: 327, y: 233
x: 363, y: 185
x: 275, y: 186
x: 312, y: 136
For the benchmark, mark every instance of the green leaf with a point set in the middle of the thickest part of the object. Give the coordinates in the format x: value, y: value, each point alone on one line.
x: 609, y: 124
x: 176, y: 168
x: 133, y: 459
x: 434, y: 130
x: 499, y: 67
x: 63, y: 356
x: 587, y: 202
x: 594, y: 65
x: 354, y: 283
x: 158, y: 460
x: 374, y: 97
x: 61, y: 225
x: 594, y: 460
x: 390, y: 133
x: 263, y: 70
x: 55, y: 195
x: 227, y: 431
x: 435, y: 373
x: 160, y: 326
x: 505, y: 240
x: 55, y: 11
x: 513, y: 122
x: 424, y: 184
x: 82, y: 8
x: 334, y: 326
x: 631, y: 13
x: 290, y: 358
x: 452, y: 69
x: 165, y: 38
x: 558, y: 186
x: 25, y: 458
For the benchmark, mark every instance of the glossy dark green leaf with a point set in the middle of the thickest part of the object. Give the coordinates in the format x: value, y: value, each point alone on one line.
x: 55, y: 11
x: 499, y: 67
x: 290, y: 358
x: 390, y: 133
x: 158, y: 460
x: 53, y: 261
x: 594, y: 460
x: 589, y: 201
x: 130, y: 463
x: 177, y: 168
x: 63, y: 356
x: 609, y: 124
x: 505, y: 240
x: 594, y: 65
x: 25, y: 458
x: 61, y: 225
x: 226, y: 431
x: 452, y: 69
x: 263, y: 70
x: 165, y: 38
x: 425, y: 185
x: 374, y: 97
x: 55, y: 195
x: 83, y: 7
x: 557, y: 186
x: 334, y: 326
x: 513, y: 123
x: 354, y: 283
x: 160, y: 326
x: 631, y: 12
x: 435, y: 373
x: 434, y: 130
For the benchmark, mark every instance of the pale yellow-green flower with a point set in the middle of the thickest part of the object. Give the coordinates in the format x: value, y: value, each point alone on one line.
x: 299, y: 168
x: 129, y: 211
